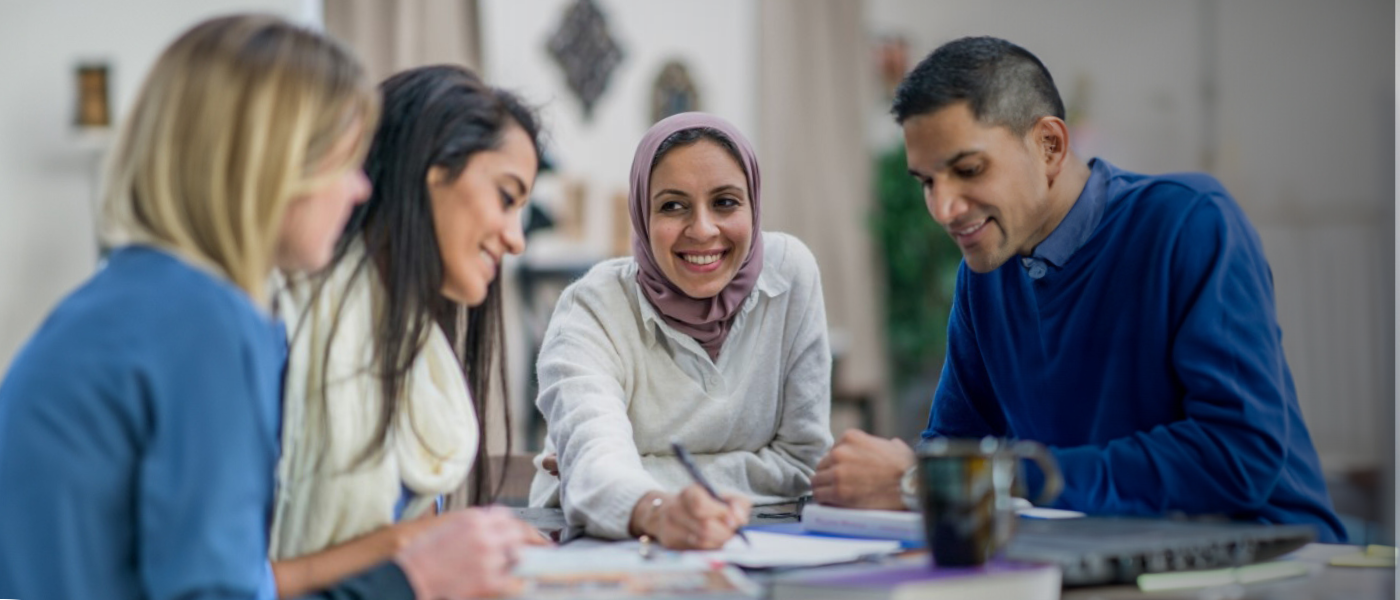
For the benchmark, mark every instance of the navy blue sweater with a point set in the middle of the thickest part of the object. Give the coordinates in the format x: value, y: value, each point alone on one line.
x: 1142, y: 345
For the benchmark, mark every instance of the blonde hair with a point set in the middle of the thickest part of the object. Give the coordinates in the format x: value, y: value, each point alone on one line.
x: 236, y: 119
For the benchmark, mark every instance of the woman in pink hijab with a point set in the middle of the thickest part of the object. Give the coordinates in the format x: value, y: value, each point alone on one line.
x: 713, y: 334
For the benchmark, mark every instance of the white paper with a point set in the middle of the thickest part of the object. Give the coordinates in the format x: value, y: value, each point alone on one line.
x: 605, y: 557
x: 1037, y: 512
x: 768, y: 550
x: 785, y: 550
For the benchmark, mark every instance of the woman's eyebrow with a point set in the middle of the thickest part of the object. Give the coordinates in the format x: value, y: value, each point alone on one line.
x: 671, y: 191
x: 728, y: 187
x: 519, y: 183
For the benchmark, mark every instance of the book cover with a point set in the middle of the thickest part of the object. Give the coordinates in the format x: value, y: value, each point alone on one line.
x: 900, y: 525
x: 914, y: 578
x: 903, y: 525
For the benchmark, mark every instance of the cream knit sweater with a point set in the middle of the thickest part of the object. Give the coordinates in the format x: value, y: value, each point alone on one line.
x: 432, y: 440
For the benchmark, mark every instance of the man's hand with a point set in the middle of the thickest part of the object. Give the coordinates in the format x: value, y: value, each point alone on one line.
x: 465, y: 554
x: 690, y: 520
x: 551, y: 464
x: 862, y: 471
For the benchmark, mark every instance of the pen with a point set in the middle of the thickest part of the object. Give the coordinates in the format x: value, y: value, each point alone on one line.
x: 689, y: 464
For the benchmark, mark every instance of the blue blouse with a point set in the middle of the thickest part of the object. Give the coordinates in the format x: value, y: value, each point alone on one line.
x: 138, y: 438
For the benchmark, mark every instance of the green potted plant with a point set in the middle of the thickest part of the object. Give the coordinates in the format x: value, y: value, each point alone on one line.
x: 921, y: 266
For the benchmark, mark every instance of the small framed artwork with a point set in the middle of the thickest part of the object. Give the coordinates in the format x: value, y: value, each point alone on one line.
x: 673, y: 92
x: 94, y: 107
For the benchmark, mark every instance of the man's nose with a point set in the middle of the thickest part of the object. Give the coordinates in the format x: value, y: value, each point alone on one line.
x: 944, y: 203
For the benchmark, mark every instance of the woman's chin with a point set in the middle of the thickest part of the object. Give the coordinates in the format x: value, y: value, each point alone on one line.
x: 702, y: 290
x: 700, y: 285
x: 473, y: 296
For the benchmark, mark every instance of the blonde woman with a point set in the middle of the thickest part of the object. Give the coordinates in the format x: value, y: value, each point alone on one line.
x: 138, y: 426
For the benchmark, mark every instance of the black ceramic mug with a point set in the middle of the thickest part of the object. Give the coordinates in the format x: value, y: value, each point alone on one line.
x: 966, y: 489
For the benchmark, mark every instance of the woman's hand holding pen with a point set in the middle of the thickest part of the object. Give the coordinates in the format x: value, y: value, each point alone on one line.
x: 690, y: 520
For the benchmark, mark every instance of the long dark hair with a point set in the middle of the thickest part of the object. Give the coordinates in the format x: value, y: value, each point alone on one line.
x: 437, y: 116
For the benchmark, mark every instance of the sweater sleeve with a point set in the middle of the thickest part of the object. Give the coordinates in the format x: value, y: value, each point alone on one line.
x: 963, y: 405
x: 582, y: 398
x: 204, y: 481
x: 1228, y: 451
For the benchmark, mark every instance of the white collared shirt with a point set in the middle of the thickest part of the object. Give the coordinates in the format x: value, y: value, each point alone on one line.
x: 618, y: 385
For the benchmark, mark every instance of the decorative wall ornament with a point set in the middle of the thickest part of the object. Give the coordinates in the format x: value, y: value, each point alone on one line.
x: 891, y: 62
x: 586, y: 51
x: 673, y: 92
x: 93, y: 109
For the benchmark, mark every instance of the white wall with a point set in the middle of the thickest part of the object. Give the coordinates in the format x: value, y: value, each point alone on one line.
x: 48, y: 176
x: 1306, y: 144
x: 714, y: 38
x: 1139, y: 61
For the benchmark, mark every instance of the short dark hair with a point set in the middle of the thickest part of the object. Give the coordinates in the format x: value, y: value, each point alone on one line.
x: 1004, y: 84
x: 686, y: 137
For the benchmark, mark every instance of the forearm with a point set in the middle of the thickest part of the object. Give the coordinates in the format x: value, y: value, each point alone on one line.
x: 601, y: 495
x: 1187, y: 466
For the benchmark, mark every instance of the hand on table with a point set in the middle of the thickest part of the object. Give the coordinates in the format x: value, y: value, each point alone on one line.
x: 551, y: 464
x: 862, y: 471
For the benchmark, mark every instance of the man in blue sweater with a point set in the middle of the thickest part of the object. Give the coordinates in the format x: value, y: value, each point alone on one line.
x: 1127, y: 321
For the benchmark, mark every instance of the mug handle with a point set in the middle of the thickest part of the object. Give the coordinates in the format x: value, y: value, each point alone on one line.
x: 1036, y: 451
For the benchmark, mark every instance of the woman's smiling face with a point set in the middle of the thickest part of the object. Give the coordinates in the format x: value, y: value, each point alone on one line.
x: 700, y: 218
x: 477, y: 215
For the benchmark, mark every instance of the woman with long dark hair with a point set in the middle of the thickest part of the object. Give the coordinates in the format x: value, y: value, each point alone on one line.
x: 397, y: 346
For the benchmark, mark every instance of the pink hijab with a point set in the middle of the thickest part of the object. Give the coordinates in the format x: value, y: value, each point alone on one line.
x: 705, y: 319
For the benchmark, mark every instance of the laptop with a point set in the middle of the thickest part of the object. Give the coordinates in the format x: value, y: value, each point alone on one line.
x: 1101, y: 550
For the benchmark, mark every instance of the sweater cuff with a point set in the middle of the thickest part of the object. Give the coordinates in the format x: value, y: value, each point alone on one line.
x: 386, y: 582
x: 613, y: 514
x: 1034, y: 479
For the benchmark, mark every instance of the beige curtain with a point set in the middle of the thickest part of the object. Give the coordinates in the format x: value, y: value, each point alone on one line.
x: 392, y: 35
x: 815, y: 84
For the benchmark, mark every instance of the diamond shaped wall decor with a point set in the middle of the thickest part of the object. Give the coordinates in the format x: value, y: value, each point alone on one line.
x: 586, y: 51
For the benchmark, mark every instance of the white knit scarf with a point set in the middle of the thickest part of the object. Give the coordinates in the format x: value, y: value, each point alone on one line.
x: 325, y: 494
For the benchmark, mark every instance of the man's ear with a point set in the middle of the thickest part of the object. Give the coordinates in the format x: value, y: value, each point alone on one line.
x: 1050, y: 137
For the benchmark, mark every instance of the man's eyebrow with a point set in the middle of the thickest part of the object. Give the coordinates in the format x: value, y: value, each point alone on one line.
x: 959, y: 156
x: 946, y: 163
